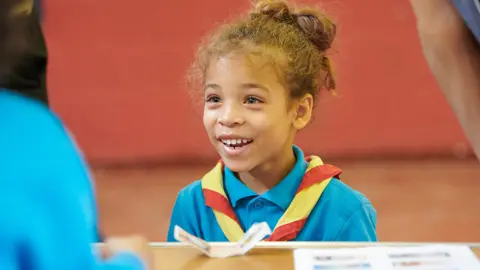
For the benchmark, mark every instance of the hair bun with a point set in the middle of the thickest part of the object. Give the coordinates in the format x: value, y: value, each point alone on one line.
x: 275, y: 9
x: 319, y: 29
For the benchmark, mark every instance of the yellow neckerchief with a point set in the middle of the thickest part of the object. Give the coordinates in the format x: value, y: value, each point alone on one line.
x: 314, y: 182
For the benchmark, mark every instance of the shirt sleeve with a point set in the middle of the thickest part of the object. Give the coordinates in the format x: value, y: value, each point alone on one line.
x: 359, y: 226
x: 183, y: 213
x: 177, y: 219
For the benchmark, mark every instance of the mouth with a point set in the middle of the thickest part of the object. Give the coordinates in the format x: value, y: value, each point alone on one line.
x: 236, y: 143
x: 235, y: 146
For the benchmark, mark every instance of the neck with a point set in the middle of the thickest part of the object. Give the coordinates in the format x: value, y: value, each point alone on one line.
x: 264, y: 177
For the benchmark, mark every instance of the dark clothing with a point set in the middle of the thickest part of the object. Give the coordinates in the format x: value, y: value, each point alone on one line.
x: 28, y: 75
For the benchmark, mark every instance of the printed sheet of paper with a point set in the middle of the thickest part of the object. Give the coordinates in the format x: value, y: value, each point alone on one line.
x: 339, y: 259
x: 254, y: 235
x: 435, y: 257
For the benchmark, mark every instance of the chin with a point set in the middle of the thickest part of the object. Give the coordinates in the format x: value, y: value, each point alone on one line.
x: 238, y: 166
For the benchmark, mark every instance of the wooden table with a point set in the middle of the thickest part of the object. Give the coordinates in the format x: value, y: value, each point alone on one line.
x: 267, y: 256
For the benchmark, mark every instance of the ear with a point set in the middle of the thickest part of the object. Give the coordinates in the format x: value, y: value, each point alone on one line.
x: 303, y: 108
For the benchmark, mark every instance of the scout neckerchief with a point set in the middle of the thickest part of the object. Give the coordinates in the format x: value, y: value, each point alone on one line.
x: 314, y: 182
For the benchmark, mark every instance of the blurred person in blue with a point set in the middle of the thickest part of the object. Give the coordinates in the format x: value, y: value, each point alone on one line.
x: 449, y: 32
x: 48, y: 217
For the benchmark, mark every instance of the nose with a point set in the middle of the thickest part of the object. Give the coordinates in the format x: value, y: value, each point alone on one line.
x: 231, y: 115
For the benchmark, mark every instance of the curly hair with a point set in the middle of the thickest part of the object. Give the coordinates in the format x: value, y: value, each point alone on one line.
x: 301, y: 35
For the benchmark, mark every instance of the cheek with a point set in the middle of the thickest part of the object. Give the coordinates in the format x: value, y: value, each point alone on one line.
x: 274, y: 124
x: 259, y: 121
x: 208, y: 120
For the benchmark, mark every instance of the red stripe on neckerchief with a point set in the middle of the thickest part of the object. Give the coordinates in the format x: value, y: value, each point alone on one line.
x: 313, y: 184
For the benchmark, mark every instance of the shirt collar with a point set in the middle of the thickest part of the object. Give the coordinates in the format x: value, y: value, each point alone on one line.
x: 282, y: 194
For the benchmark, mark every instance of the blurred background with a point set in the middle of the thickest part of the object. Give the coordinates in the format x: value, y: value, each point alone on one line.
x: 116, y: 77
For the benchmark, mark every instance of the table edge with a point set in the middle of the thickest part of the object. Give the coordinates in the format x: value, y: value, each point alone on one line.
x: 296, y: 245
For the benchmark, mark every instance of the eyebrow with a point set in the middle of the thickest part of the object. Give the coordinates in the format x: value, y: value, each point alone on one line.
x: 212, y: 85
x: 254, y: 85
x: 244, y: 86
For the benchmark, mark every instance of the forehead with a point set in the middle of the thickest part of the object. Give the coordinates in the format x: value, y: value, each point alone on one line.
x: 240, y: 66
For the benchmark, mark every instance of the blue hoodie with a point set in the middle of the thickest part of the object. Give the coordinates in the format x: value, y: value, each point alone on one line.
x: 48, y: 217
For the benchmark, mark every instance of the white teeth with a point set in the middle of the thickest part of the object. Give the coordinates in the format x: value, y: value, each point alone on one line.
x: 235, y: 141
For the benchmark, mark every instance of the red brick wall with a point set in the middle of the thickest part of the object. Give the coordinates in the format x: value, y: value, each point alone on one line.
x: 116, y: 78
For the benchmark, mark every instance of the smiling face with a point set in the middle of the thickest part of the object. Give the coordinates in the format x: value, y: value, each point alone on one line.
x: 247, y: 114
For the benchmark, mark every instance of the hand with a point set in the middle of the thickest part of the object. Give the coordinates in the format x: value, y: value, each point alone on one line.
x: 134, y: 244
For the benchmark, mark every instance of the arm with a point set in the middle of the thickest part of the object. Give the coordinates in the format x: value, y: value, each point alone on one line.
x: 454, y: 59
x: 180, y: 214
x: 360, y: 225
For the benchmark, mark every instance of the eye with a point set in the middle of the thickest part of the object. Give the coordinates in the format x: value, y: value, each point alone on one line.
x: 213, y: 99
x: 252, y: 100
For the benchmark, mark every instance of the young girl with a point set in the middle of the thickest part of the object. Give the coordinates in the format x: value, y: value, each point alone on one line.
x: 261, y: 76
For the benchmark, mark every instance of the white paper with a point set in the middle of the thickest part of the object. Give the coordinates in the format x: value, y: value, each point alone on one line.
x: 434, y: 257
x: 254, y: 235
x: 339, y: 259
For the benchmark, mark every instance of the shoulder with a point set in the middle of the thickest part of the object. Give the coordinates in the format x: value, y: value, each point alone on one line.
x: 351, y: 215
x: 191, y: 195
x: 345, y: 200
x: 29, y: 126
x: 22, y: 114
x: 345, y: 192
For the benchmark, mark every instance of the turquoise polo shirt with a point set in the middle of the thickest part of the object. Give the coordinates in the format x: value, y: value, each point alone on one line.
x: 341, y: 214
x: 48, y: 214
